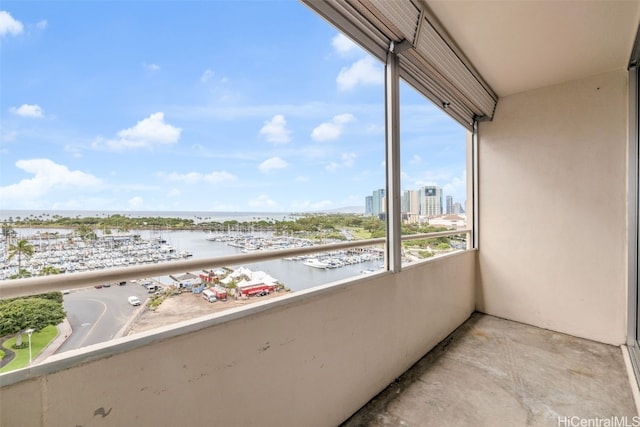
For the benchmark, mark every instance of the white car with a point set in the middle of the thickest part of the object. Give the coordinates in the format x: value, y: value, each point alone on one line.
x: 133, y: 300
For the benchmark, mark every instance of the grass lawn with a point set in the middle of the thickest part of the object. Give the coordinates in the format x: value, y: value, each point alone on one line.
x: 39, y: 340
x: 360, y: 233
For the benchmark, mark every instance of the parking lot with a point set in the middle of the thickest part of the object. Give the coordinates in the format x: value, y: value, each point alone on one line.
x: 98, y: 314
x: 189, y: 306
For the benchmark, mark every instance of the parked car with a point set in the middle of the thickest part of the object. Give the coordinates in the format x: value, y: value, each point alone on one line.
x: 98, y: 286
x: 107, y: 285
x: 133, y: 300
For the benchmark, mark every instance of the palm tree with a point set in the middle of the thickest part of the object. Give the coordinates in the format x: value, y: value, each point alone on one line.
x: 85, y: 232
x: 20, y: 248
x: 7, y: 232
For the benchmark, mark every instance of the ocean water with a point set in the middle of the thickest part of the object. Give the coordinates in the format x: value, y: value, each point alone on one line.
x: 293, y: 274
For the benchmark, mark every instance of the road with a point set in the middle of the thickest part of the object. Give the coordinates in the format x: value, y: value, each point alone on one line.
x: 97, y: 315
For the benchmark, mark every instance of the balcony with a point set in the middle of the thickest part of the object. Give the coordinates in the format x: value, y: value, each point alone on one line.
x: 495, y: 372
x: 263, y: 364
x: 314, y: 357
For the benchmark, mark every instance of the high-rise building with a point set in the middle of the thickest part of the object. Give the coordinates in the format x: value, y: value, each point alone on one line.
x: 457, y: 209
x: 378, y: 202
x: 431, y: 200
x: 411, y: 205
x: 449, y: 205
x: 368, y: 206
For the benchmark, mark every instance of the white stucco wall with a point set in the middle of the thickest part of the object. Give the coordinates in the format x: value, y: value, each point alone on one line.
x: 553, y: 208
x: 309, y: 359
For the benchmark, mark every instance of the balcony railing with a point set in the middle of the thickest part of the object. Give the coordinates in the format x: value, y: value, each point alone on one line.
x: 294, y: 348
x: 34, y: 285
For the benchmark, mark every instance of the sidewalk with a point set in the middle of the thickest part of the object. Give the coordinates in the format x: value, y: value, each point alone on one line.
x: 64, y: 331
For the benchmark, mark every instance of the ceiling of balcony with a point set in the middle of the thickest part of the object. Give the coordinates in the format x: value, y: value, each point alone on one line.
x: 521, y: 45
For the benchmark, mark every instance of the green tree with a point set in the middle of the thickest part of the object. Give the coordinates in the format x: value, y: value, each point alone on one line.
x: 20, y: 274
x: 49, y: 270
x: 18, y: 315
x: 21, y: 248
x: 7, y: 232
x: 54, y: 296
x: 85, y: 232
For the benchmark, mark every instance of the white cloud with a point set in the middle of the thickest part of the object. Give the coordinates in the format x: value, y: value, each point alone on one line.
x: 136, y: 202
x: 362, y: 72
x: 452, y: 184
x: 42, y: 24
x: 275, y: 130
x: 342, y: 119
x: 47, y: 176
x: 151, y: 67
x: 346, y: 161
x: 271, y: 164
x: 147, y: 133
x: 9, y: 25
x: 151, y: 129
x: 415, y: 159
x: 73, y: 149
x: 302, y: 178
x: 262, y: 201
x: 457, y: 187
x: 333, y: 129
x: 207, y: 75
x: 27, y: 110
x: 343, y: 45
x: 214, y: 177
x: 374, y: 129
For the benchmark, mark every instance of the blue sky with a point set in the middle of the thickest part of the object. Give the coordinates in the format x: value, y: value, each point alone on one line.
x: 200, y: 106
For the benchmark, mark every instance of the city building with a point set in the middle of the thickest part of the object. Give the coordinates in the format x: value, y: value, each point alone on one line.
x: 431, y: 201
x: 449, y: 221
x: 378, y: 203
x: 411, y: 205
x: 368, y: 206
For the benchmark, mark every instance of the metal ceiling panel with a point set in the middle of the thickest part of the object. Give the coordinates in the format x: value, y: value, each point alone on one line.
x: 353, y: 24
x: 437, y: 52
x: 432, y: 65
x: 404, y: 15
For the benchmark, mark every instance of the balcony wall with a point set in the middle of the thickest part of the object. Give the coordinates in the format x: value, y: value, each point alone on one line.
x: 310, y: 358
x: 553, y: 172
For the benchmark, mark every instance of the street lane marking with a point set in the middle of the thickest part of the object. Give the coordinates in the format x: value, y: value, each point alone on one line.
x: 104, y: 310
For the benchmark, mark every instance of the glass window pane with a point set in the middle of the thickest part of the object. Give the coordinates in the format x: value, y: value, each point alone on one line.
x: 146, y: 132
x: 433, y: 178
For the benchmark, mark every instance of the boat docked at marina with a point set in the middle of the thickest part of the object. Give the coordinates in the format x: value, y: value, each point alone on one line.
x: 315, y: 263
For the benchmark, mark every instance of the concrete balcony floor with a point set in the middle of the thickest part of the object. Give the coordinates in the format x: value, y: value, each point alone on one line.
x: 494, y: 372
